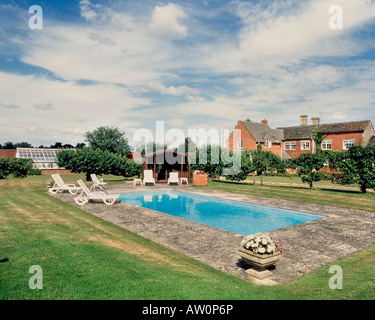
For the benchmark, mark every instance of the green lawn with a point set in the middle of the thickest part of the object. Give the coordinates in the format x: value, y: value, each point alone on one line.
x: 84, y: 257
x: 347, y: 198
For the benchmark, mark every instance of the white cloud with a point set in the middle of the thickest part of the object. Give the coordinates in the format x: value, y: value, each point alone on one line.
x: 174, y: 91
x: 284, y: 32
x: 274, y: 67
x: 44, y: 106
x: 88, y: 10
x: 72, y: 109
x: 166, y: 21
x: 8, y: 105
x: 102, y: 54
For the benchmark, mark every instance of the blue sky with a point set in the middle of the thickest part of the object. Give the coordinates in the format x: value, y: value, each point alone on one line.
x: 193, y: 64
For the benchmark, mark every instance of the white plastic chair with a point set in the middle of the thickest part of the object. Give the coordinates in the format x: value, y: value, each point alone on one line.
x: 173, y: 178
x: 87, y: 195
x: 148, y: 177
x: 60, y: 185
x: 98, y: 184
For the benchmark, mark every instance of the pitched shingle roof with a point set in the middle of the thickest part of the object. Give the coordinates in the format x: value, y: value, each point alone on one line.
x: 261, y: 131
x: 305, y: 132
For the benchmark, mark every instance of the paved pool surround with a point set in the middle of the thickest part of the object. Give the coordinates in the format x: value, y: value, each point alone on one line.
x: 307, y: 246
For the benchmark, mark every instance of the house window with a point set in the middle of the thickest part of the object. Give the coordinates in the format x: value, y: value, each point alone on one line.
x: 327, y: 145
x: 347, y: 144
x: 240, y: 144
x: 305, y: 145
x: 267, y: 143
x: 290, y: 145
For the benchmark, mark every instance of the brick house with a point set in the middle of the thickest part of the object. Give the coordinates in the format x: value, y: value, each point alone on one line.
x: 254, y: 134
x: 291, y: 142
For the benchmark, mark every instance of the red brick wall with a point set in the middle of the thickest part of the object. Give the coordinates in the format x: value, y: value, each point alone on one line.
x: 8, y: 153
x: 249, y: 142
x: 275, y: 148
x: 337, y: 139
x: 55, y: 171
x: 296, y: 153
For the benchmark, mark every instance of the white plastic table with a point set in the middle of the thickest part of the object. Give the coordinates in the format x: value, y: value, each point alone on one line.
x: 184, y: 180
x: 136, y: 181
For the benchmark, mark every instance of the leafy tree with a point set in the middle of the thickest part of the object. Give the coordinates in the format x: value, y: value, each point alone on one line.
x: 266, y: 161
x: 209, y: 159
x: 150, y: 147
x: 80, y: 145
x: 246, y: 168
x: 318, y: 138
x: 88, y: 161
x: 356, y: 166
x: 308, y: 166
x: 57, y: 145
x: 9, y: 145
x: 23, y: 145
x: 18, y: 168
x: 188, y: 146
x: 110, y: 139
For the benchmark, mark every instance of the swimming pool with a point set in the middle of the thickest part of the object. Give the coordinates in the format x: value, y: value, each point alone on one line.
x: 234, y: 216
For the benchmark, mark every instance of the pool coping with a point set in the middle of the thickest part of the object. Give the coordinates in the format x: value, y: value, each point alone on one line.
x: 346, y: 230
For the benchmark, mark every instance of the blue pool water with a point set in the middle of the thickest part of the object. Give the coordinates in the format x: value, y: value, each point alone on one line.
x: 238, y: 217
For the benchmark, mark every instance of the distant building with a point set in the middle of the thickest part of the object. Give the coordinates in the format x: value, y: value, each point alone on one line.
x: 291, y: 142
x: 254, y: 134
x: 43, y: 159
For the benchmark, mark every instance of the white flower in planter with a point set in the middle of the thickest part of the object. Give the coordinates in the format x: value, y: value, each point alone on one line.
x: 261, y: 250
x: 261, y: 244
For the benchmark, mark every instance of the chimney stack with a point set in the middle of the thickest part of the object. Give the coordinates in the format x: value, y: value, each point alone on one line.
x: 265, y: 121
x: 315, y: 121
x: 303, y: 120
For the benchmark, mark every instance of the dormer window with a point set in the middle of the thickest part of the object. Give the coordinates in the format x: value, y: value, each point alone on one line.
x: 267, y: 143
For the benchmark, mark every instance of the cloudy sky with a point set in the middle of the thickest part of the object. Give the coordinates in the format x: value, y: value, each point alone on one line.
x: 193, y: 64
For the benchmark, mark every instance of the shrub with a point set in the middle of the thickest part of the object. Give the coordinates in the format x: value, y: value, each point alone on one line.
x: 18, y: 168
x: 88, y: 160
x: 356, y: 166
x: 35, y: 172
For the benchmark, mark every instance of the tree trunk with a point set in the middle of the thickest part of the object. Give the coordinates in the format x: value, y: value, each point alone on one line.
x: 88, y: 177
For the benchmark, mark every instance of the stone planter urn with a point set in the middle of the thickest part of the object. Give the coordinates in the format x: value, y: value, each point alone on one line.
x: 258, y: 262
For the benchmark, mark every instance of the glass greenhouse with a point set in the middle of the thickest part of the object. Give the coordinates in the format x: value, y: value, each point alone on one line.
x: 42, y: 158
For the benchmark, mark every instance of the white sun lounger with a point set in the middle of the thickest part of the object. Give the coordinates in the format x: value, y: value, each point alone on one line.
x: 87, y: 195
x: 98, y: 184
x: 148, y: 177
x: 173, y: 177
x: 60, y: 185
